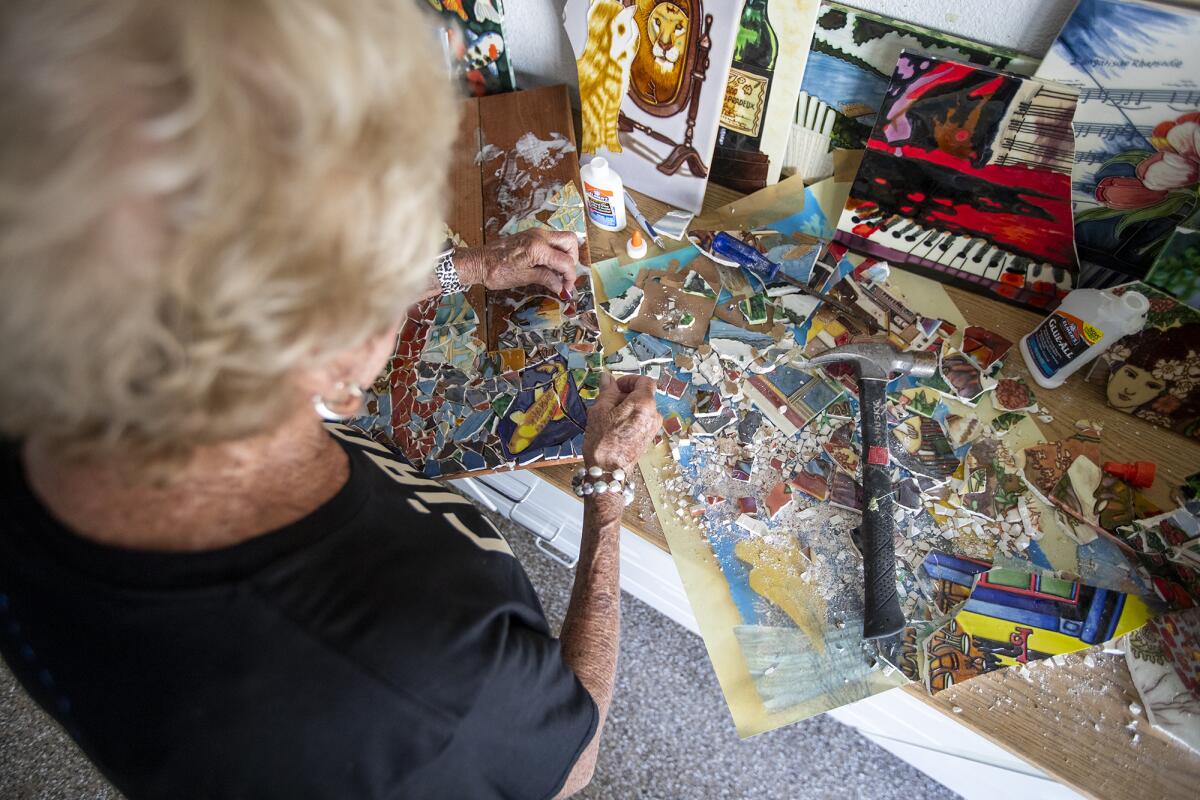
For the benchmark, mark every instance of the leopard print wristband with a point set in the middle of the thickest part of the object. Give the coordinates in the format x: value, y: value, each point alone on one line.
x: 447, y: 275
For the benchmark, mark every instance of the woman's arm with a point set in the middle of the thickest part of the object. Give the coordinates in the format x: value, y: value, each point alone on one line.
x: 621, y: 425
x: 591, y: 630
x: 531, y: 256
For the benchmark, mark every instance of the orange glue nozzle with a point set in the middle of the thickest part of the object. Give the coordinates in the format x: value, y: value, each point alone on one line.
x: 636, y: 238
x: 1138, y: 474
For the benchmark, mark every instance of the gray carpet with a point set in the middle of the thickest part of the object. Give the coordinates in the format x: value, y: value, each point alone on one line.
x: 669, y: 734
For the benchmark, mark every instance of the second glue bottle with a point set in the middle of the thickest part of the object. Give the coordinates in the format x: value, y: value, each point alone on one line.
x: 603, y: 195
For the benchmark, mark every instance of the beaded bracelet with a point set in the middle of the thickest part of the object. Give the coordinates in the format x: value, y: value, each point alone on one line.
x: 593, y: 480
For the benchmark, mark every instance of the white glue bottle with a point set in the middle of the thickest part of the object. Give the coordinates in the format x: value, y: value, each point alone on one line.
x: 603, y: 195
x: 1086, y: 324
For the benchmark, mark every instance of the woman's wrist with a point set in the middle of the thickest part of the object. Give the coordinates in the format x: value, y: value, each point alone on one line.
x: 470, y: 266
x: 605, y: 510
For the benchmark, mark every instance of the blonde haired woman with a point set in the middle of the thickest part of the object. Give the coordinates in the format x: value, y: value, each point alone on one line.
x: 212, y: 215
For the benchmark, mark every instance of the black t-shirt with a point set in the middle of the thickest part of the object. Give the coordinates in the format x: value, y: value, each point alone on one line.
x: 387, y: 645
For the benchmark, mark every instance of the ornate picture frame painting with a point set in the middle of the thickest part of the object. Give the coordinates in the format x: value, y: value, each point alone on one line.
x: 652, y: 86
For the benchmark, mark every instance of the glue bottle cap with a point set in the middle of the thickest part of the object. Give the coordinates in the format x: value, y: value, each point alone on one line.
x: 599, y: 166
x: 636, y: 246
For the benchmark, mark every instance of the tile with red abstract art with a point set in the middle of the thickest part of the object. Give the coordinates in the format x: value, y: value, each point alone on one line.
x: 967, y: 178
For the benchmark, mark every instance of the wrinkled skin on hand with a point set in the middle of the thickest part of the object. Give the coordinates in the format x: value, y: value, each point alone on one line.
x: 534, y: 256
x: 622, y: 422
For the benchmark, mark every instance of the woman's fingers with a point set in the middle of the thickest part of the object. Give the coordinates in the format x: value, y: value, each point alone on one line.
x: 544, y: 276
x: 547, y: 256
x: 627, y: 383
x: 566, y: 241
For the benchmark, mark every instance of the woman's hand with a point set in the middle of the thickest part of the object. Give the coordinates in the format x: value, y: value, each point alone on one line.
x: 531, y: 256
x: 622, y: 422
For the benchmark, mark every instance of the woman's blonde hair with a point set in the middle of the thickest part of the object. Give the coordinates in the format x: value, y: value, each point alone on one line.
x: 197, y: 198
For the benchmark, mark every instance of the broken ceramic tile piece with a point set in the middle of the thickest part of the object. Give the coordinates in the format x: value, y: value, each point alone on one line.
x: 845, y: 492
x: 813, y: 480
x: 754, y: 309
x: 752, y: 524
x: 1003, y: 423
x: 777, y: 499
x: 791, y: 398
x: 694, y: 283
x: 625, y: 306
x: 674, y: 224
x: 961, y: 430
x: 748, y: 505
x: 649, y: 350
x: 1013, y: 394
x: 983, y: 347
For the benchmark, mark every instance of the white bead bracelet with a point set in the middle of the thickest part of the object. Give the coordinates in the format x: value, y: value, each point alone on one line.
x: 593, y: 480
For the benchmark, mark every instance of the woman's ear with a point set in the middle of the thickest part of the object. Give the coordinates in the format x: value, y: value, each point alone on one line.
x: 356, y: 367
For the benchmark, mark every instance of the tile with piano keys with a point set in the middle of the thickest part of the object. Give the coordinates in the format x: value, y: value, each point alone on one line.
x: 967, y: 177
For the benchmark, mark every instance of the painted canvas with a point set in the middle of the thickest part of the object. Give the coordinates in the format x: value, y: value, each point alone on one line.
x: 652, y: 85
x: 1137, y: 161
x: 760, y: 96
x: 1155, y: 373
x: 474, y: 44
x: 966, y: 177
x: 851, y: 59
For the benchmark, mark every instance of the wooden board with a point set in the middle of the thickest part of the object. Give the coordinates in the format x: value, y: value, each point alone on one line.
x: 1051, y: 721
x: 503, y: 119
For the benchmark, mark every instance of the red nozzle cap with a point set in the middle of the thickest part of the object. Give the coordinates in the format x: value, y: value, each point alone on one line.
x: 1139, y: 474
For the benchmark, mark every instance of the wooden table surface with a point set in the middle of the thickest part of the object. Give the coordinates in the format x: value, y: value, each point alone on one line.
x: 1068, y: 720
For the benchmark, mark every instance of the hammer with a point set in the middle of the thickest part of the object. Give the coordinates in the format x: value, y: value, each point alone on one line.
x: 876, y: 363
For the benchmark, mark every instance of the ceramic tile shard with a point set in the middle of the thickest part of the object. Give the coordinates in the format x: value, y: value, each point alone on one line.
x: 624, y: 307
x: 1164, y: 546
x: 1164, y: 662
x: 964, y: 377
x: 791, y: 398
x: 921, y: 446
x: 1013, y: 394
x: 983, y: 347
x: 777, y: 499
x: 1005, y: 617
x: 961, y: 430
x: 845, y: 492
x: 1003, y: 423
x: 842, y: 447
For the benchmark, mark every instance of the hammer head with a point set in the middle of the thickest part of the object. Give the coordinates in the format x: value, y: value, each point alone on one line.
x: 875, y: 360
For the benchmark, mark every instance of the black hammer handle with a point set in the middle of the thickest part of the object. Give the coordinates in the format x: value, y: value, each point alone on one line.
x: 882, y: 615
